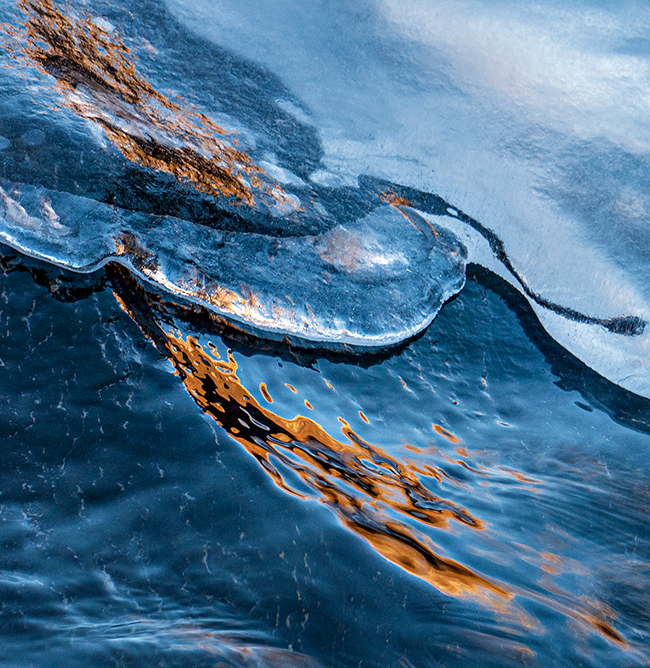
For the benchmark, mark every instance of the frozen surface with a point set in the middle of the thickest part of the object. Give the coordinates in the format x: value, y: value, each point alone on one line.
x: 530, y: 117
x: 376, y: 281
x: 273, y: 169
x: 241, y: 242
x: 193, y: 190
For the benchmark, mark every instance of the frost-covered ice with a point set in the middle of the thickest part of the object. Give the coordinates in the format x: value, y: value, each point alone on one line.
x: 531, y: 118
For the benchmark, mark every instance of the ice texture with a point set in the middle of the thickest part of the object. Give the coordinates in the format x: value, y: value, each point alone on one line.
x: 195, y: 201
x: 532, y: 117
x: 373, y: 282
x: 291, y: 152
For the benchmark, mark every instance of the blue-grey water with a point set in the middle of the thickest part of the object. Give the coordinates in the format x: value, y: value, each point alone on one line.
x: 201, y: 470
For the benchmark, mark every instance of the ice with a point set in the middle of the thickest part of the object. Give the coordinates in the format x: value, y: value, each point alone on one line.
x: 33, y: 137
x: 531, y: 117
x: 373, y: 282
x: 281, y: 162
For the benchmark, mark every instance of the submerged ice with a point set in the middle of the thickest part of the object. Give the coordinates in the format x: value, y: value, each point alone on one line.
x: 202, y: 153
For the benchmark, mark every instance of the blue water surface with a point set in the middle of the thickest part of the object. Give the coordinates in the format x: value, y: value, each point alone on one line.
x: 185, y: 486
x: 136, y: 531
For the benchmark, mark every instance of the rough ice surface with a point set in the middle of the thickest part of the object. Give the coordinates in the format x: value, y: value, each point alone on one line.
x: 531, y: 117
x: 375, y: 281
x: 528, y: 118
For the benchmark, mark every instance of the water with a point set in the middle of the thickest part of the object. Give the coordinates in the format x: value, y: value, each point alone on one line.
x: 181, y: 489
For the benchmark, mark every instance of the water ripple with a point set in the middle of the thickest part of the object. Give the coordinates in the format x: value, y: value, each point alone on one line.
x: 389, y: 502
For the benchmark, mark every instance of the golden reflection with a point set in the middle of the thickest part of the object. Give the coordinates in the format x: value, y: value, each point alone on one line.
x: 447, y: 434
x: 357, y: 479
x: 127, y: 244
x: 93, y: 68
x: 390, y: 197
x: 214, y: 385
x: 374, y: 494
x: 265, y: 392
x: 378, y: 497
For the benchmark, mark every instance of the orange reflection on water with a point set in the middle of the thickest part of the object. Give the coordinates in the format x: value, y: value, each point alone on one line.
x: 380, y: 498
x: 370, y: 490
x: 214, y: 385
x: 265, y: 392
x: 93, y: 68
x: 357, y: 479
x: 447, y: 434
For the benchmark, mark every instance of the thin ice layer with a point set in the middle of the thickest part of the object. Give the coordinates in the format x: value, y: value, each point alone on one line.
x: 372, y: 282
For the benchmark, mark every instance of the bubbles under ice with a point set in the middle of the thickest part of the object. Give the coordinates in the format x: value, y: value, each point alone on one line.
x: 33, y: 137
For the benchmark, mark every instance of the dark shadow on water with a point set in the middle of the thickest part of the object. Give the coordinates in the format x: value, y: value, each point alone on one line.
x: 64, y: 285
x: 248, y: 342
x: 626, y: 408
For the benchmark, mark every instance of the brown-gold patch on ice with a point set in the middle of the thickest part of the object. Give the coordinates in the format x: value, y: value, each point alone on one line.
x: 95, y: 71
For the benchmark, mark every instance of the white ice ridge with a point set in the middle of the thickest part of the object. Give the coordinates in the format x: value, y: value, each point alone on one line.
x: 622, y: 359
x: 372, y: 282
